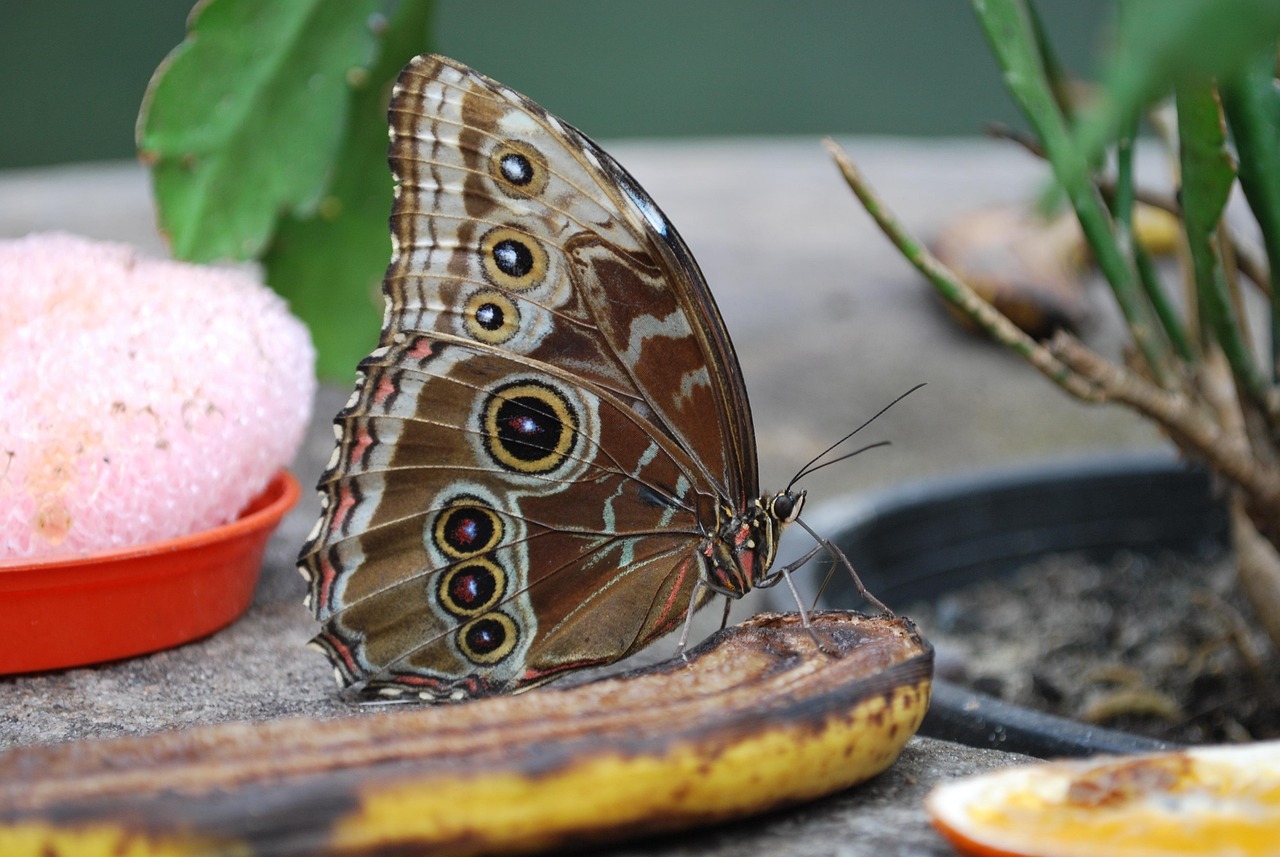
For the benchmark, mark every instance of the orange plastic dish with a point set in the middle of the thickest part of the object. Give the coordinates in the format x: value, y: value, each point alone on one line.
x: 88, y: 608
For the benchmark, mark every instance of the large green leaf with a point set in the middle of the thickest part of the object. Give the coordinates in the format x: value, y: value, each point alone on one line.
x: 1162, y: 43
x: 242, y: 121
x: 329, y: 264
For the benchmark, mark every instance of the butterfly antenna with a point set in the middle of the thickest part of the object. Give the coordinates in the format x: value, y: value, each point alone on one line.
x: 858, y: 451
x: 809, y: 467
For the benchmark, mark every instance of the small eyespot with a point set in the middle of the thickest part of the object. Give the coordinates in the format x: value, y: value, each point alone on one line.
x: 512, y: 259
x: 471, y: 587
x: 466, y: 528
x: 490, y: 316
x: 518, y: 169
x: 488, y: 639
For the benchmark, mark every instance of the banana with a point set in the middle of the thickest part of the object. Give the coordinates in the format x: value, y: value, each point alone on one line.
x: 758, y: 718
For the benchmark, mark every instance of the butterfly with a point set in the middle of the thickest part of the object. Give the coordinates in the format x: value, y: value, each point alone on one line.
x: 549, y: 461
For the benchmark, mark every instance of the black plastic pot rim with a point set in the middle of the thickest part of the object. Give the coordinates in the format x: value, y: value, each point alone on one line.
x: 975, y: 529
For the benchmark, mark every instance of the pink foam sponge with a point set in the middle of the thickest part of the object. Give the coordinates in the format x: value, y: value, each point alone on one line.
x: 140, y: 399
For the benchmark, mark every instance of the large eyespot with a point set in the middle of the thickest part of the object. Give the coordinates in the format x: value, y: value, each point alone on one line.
x: 467, y: 528
x: 472, y: 587
x: 512, y: 259
x: 487, y: 639
x: 491, y: 317
x: 518, y: 169
x: 529, y: 427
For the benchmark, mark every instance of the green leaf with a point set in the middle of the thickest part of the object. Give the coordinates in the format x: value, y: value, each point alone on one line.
x: 242, y: 120
x: 1163, y: 43
x: 1208, y: 172
x: 329, y: 265
x: 1252, y: 104
x: 1011, y: 31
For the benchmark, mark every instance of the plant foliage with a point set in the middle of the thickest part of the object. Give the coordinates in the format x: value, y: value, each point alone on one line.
x: 265, y: 131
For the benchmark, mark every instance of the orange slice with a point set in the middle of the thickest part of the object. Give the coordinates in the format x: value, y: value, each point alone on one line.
x: 1207, y: 800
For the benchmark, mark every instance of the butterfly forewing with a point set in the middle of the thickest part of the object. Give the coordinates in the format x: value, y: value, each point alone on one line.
x: 541, y: 440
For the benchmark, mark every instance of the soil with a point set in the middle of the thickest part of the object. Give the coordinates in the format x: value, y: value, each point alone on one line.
x: 1164, y: 646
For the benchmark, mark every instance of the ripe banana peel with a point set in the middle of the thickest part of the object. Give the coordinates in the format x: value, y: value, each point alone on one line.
x: 756, y: 719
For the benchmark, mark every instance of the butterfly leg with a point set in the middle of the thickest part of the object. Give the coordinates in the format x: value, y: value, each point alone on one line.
x: 688, y: 618
x: 773, y: 577
x: 724, y: 620
x: 838, y: 555
x: 785, y: 572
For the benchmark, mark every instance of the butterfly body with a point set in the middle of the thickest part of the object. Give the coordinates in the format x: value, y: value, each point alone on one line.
x: 549, y: 459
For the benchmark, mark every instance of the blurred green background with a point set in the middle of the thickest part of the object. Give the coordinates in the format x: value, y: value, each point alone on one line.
x: 74, y: 70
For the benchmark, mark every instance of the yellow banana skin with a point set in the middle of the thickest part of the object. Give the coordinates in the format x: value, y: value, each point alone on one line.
x: 758, y: 718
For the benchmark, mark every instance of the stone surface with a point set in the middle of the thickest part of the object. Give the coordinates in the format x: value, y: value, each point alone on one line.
x: 830, y: 325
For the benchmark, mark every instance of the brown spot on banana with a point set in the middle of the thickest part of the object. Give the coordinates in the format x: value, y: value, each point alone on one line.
x: 758, y: 719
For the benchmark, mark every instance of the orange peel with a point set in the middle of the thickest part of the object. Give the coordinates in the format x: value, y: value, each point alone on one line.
x: 1206, y: 800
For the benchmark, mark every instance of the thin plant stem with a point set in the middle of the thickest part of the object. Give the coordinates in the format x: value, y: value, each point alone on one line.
x: 1122, y: 200
x: 1165, y: 311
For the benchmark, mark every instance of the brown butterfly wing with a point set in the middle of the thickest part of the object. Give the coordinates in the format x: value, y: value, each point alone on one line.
x: 539, y: 444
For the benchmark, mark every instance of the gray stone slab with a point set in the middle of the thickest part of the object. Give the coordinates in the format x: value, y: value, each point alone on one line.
x: 830, y: 324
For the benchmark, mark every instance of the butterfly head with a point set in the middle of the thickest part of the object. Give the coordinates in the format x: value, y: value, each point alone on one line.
x: 784, y: 506
x: 741, y: 551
